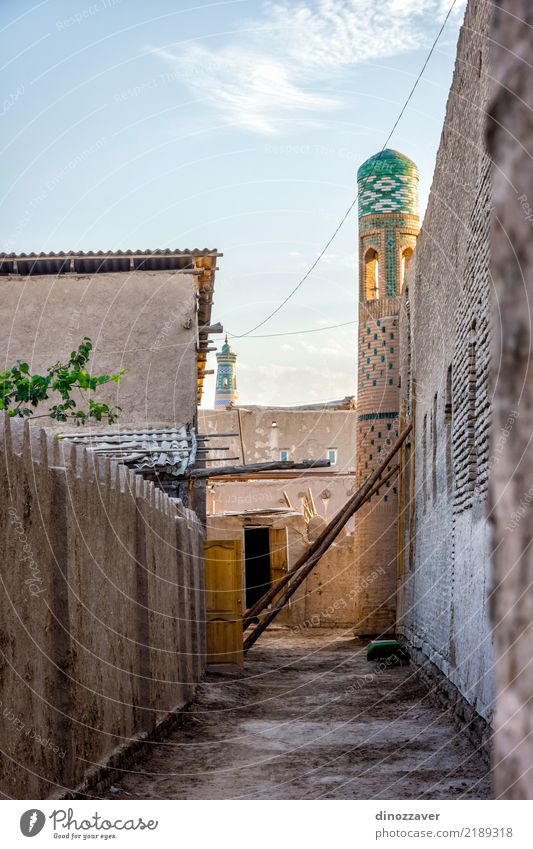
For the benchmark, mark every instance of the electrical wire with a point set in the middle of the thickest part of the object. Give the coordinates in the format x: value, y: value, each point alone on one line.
x: 348, y: 211
x: 298, y: 332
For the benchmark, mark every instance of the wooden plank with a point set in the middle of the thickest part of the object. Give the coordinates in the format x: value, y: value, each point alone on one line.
x: 221, y: 471
x: 210, y: 328
x: 311, y: 502
x: 203, y: 436
x: 287, y: 500
x: 401, y: 497
x: 223, y: 594
x: 278, y: 554
x: 241, y: 438
x: 412, y: 479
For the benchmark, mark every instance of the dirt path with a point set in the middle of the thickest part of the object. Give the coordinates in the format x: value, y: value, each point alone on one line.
x: 304, y: 721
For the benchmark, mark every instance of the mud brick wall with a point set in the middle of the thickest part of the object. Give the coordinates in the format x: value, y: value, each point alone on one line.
x: 509, y: 137
x: 444, y: 534
x: 101, y: 612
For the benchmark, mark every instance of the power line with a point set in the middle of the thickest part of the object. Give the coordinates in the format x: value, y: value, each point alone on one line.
x: 296, y: 332
x: 348, y: 211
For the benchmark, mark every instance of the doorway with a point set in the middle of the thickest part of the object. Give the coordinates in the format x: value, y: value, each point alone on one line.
x: 256, y: 563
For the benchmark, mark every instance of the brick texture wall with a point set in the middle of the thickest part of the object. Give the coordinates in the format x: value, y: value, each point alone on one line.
x: 444, y: 578
x: 376, y: 540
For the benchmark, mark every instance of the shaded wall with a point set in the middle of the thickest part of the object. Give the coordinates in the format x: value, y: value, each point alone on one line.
x: 444, y: 580
x: 142, y: 321
x: 510, y: 138
x: 101, y: 612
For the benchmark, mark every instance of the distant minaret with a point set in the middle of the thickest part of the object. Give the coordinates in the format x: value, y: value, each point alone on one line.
x: 226, y: 389
x: 388, y: 228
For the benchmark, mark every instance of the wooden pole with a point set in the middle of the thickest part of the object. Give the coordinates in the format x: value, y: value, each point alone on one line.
x: 219, y: 471
x: 204, y: 436
x: 312, y: 559
x: 287, y: 500
x: 275, y: 588
x: 241, y: 438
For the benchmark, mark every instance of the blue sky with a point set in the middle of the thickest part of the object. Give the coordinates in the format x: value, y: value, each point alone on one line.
x: 237, y: 125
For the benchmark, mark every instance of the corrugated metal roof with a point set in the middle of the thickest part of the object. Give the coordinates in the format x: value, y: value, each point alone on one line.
x: 159, y: 452
x: 103, y: 262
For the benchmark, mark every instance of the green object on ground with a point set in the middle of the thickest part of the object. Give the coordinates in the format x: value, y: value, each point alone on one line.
x: 380, y: 649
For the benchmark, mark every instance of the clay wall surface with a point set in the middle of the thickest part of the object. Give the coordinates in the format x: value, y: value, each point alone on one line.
x: 101, y: 611
x: 510, y: 135
x: 305, y: 434
x: 136, y: 321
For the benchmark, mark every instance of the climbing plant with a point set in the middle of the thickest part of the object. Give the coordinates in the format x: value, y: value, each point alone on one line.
x: 21, y: 392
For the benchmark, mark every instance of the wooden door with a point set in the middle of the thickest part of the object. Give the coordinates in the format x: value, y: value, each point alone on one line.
x: 278, y: 557
x: 224, y: 594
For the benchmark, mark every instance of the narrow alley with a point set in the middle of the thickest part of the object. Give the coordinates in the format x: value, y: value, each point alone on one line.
x: 310, y: 718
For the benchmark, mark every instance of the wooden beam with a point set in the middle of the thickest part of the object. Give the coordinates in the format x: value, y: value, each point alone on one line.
x: 327, y: 538
x: 288, y: 475
x: 287, y: 500
x: 215, y: 435
x: 222, y: 471
x: 241, y: 439
x: 211, y: 328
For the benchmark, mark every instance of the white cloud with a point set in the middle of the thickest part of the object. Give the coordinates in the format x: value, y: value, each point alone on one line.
x: 271, y: 71
x: 294, y: 384
x: 254, y: 90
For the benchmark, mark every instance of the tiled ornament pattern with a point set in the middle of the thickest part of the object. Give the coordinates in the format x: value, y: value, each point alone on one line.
x: 388, y: 182
x: 390, y: 233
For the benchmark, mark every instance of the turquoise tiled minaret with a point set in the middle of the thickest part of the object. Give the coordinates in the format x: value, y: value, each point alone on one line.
x: 226, y: 386
x: 388, y: 228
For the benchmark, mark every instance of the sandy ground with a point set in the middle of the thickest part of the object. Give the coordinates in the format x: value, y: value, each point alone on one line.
x: 309, y: 718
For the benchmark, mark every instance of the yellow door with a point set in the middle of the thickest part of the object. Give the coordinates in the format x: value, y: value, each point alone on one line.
x: 224, y: 593
x: 278, y: 556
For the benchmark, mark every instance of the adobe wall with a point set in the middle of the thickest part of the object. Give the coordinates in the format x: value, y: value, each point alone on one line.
x: 510, y: 134
x: 306, y: 434
x: 101, y: 613
x: 327, y: 597
x: 136, y: 321
x: 444, y: 580
x: 329, y: 493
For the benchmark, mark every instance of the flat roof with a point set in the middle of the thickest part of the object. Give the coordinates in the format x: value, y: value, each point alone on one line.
x: 103, y: 262
x: 200, y: 262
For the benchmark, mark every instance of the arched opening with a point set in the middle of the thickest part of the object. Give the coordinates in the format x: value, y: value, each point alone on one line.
x: 406, y: 259
x: 371, y: 275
